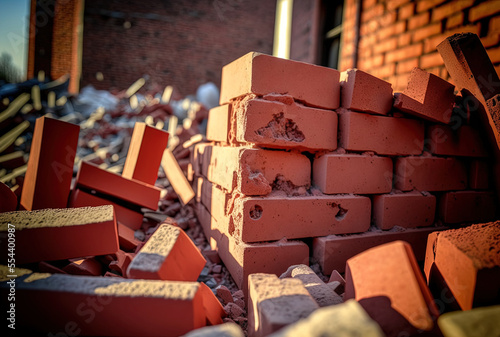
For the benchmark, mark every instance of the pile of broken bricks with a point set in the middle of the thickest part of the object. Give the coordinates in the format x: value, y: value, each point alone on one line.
x: 305, y: 166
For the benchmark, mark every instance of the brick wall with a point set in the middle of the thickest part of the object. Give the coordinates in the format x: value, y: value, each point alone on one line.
x: 173, y: 42
x: 397, y: 35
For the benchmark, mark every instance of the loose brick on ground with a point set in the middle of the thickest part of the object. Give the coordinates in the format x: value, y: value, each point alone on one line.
x: 218, y: 123
x: 348, y: 318
x: 428, y: 173
x: 322, y: 294
x: 176, y: 177
x: 465, y: 142
x: 407, y: 210
x: 163, y: 308
x: 168, y: 255
x: 261, y: 74
x: 335, y: 277
x: 380, y: 134
x: 57, y: 234
x: 90, y: 176
x: 471, y: 323
x: 124, y: 215
x: 50, y: 165
x: 275, y: 124
x: 87, y: 266
x: 387, y: 282
x: 427, y: 96
x: 275, y: 303
x: 126, y: 238
x: 363, y: 92
x: 334, y: 250
x: 351, y: 173
x: 468, y: 260
x: 467, y: 206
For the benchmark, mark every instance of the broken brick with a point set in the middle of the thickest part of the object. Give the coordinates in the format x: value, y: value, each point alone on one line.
x: 352, y: 173
x: 168, y: 255
x: 87, y: 266
x: 467, y: 206
x: 50, y: 165
x: 56, y: 234
x: 260, y: 74
x: 336, y: 277
x: 427, y: 96
x: 275, y: 303
x: 145, y: 153
x: 224, y: 294
x: 121, y: 262
x: 363, y: 92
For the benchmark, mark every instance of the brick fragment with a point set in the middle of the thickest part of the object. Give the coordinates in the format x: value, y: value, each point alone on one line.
x: 261, y: 74
x: 468, y: 260
x: 364, y: 92
x: 322, y: 294
x: 350, y: 173
x: 87, y: 266
x: 427, y: 96
x: 126, y: 238
x: 387, y: 282
x: 218, y: 123
x: 430, y: 174
x: 121, y: 261
x: 8, y: 200
x: 90, y: 176
x: 124, y: 215
x: 57, y: 234
x: 339, y: 280
x: 275, y: 303
x: 467, y: 206
x: 380, y: 134
x: 50, y: 166
x: 475, y: 322
x: 407, y: 210
x: 479, y: 173
x: 225, y: 294
x: 145, y: 153
x: 168, y: 255
x: 255, y: 171
x: 349, y: 318
x: 176, y: 177
x: 162, y: 307
x: 466, y: 141
x: 334, y: 250
x: 278, y: 125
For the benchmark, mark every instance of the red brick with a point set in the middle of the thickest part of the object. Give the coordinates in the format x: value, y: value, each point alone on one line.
x: 289, y: 125
x: 491, y: 41
x: 87, y: 266
x: 388, y: 277
x: 371, y: 62
x: 57, y: 234
x: 450, y: 8
x: 494, y: 25
x: 455, y: 20
x: 50, y: 166
x: 322, y: 294
x: 275, y: 303
x: 406, y: 66
x: 124, y: 215
x: 418, y: 21
x: 121, y: 261
x: 428, y: 4
x: 380, y: 134
x: 168, y: 255
x: 176, y: 177
x: 242, y: 259
x: 479, y: 175
x: 144, y: 154
x: 333, y: 251
x: 494, y: 54
x: 336, y: 277
x: 431, y: 60
x: 165, y: 308
x: 262, y: 74
x: 407, y: 210
x: 404, y: 53
x: 427, y: 96
x: 8, y: 200
x: 468, y: 260
x: 126, y: 238
x: 394, y: 29
x: 395, y: 4
x: 482, y: 10
x: 254, y: 171
x: 136, y: 192
x: 430, y: 174
x: 218, y: 123
x: 406, y: 11
x: 467, y: 206
x: 372, y: 12
x: 466, y: 141
x: 427, y: 31
x: 351, y: 173
x: 430, y: 44
x: 354, y: 86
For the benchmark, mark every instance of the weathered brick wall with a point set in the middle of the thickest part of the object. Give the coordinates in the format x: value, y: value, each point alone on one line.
x: 174, y: 42
x: 397, y: 35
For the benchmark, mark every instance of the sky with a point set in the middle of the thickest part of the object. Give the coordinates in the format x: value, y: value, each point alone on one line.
x: 14, y: 23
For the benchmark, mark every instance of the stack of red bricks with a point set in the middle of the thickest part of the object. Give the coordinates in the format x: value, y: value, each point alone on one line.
x: 300, y: 151
x: 71, y: 236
